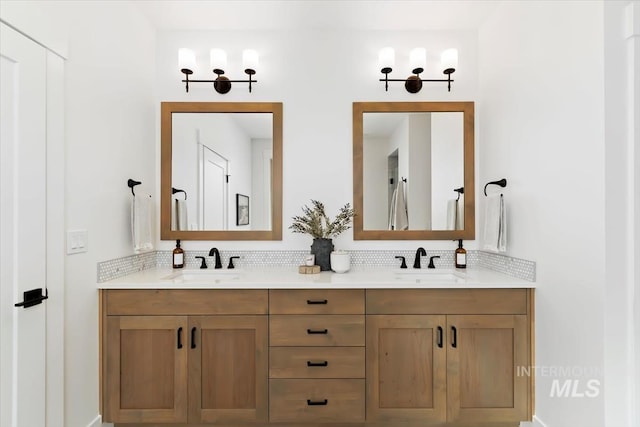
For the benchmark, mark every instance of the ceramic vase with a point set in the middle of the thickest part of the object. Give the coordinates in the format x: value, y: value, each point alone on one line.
x: 322, y: 249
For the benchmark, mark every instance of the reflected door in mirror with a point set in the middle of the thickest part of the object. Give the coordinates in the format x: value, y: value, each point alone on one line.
x: 412, y: 164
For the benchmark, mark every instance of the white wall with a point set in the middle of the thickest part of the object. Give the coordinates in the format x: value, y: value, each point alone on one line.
x: 375, y: 182
x: 317, y: 75
x: 622, y: 132
x: 447, y: 172
x: 419, y: 185
x: 541, y: 126
x: 111, y: 132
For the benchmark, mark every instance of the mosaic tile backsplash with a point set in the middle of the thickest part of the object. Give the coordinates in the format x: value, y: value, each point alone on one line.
x: 515, y: 267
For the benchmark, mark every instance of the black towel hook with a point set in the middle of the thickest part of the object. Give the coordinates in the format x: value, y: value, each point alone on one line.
x: 459, y: 191
x: 132, y: 183
x: 177, y: 190
x: 502, y: 183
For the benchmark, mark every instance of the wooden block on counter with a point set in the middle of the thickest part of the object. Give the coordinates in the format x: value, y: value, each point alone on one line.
x: 306, y: 269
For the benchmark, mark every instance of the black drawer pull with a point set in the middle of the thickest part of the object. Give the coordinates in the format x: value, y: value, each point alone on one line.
x: 193, y: 337
x: 317, y: 402
x: 320, y: 301
x: 454, y: 342
x: 440, y: 336
x: 180, y: 337
x: 317, y: 331
x: 322, y: 364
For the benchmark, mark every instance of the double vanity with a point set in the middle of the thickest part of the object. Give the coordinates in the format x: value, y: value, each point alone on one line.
x: 376, y: 347
x: 373, y: 347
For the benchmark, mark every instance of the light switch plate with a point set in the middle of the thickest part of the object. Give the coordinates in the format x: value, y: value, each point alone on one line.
x: 77, y: 241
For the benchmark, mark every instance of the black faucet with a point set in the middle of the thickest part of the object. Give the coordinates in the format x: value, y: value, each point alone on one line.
x: 215, y: 253
x: 203, y: 264
x: 419, y: 252
x: 404, y: 262
x: 431, y: 265
x: 230, y: 266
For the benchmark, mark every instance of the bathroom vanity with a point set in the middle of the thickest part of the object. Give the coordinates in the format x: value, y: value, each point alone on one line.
x: 282, y: 349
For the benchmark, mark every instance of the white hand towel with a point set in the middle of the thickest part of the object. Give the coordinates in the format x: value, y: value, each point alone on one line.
x: 452, y: 214
x: 392, y: 209
x: 179, y: 217
x: 400, y: 218
x: 460, y: 214
x: 495, y: 224
x: 141, y: 223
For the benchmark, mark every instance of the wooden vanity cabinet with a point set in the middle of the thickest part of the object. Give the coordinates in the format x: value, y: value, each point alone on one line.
x: 206, y: 363
x: 448, y: 355
x: 316, y: 357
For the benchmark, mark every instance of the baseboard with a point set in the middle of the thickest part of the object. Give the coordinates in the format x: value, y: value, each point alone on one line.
x: 535, y: 423
x: 97, y: 422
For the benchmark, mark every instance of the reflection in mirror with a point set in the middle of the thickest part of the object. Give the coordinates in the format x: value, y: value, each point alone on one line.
x: 206, y: 148
x: 221, y: 171
x: 413, y: 170
x: 413, y: 162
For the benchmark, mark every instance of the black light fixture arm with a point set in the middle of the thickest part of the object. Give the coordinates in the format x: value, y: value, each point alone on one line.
x: 221, y: 84
x: 413, y: 83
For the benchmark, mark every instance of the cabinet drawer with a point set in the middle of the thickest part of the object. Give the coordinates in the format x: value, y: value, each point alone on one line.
x: 175, y: 302
x: 316, y: 400
x: 331, y: 330
x: 447, y: 301
x: 316, y: 362
x: 316, y: 301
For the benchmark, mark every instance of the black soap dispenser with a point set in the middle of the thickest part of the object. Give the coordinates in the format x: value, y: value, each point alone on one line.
x: 178, y: 256
x: 461, y: 256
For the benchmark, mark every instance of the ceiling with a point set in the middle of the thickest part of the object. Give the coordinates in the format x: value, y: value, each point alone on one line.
x: 316, y: 14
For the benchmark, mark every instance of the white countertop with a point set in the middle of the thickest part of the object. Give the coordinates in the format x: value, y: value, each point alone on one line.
x: 289, y: 278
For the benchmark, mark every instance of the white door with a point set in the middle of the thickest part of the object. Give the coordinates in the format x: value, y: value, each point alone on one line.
x: 213, y: 194
x: 23, y: 237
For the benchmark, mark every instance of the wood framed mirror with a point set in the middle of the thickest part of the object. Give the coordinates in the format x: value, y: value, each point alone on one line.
x: 221, y: 171
x: 413, y: 171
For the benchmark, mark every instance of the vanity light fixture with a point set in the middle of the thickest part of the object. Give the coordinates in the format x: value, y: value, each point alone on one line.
x: 418, y: 62
x: 218, y: 61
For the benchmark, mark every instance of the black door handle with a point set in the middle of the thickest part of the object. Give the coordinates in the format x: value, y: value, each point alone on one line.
x: 440, y: 336
x: 317, y: 331
x: 321, y: 301
x: 312, y: 364
x: 33, y: 297
x: 317, y: 402
x: 180, y: 337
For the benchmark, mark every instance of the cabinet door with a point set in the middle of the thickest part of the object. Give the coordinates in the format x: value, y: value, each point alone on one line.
x: 406, y: 368
x: 146, y: 369
x: 483, y: 354
x: 228, y: 369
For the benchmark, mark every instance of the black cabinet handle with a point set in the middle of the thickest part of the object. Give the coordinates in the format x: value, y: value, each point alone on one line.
x: 321, y: 301
x: 193, y: 337
x: 454, y: 342
x: 180, y: 337
x: 440, y: 336
x: 317, y: 331
x: 317, y: 402
x: 323, y: 363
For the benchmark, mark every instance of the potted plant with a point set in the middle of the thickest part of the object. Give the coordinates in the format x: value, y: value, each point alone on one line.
x: 317, y: 224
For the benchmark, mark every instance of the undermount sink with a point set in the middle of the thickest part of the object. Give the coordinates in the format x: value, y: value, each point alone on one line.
x: 430, y: 275
x: 203, y: 275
